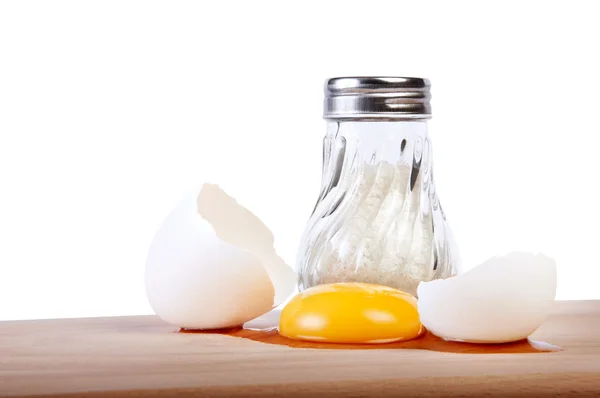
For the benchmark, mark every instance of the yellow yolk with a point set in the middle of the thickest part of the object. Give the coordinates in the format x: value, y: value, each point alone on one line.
x: 351, y: 313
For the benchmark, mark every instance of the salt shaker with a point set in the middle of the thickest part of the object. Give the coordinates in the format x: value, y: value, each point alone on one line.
x: 377, y: 218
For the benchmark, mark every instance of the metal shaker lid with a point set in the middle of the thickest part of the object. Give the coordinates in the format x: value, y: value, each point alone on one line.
x: 379, y: 98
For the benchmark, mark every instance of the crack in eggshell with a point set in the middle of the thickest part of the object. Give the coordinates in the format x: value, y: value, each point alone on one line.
x: 238, y: 226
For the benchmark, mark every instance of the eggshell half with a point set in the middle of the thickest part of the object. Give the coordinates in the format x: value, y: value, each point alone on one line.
x: 196, y: 280
x: 501, y: 300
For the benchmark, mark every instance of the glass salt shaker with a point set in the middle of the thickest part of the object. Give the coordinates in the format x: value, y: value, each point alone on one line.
x: 378, y: 218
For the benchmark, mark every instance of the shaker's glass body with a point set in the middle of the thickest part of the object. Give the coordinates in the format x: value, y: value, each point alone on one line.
x: 378, y: 218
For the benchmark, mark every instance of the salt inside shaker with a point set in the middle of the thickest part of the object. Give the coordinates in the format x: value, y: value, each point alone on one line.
x: 378, y: 218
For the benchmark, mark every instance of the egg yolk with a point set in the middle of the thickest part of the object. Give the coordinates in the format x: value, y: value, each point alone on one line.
x: 351, y: 313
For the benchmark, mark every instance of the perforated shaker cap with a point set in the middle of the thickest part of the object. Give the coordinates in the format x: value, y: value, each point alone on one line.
x: 386, y: 98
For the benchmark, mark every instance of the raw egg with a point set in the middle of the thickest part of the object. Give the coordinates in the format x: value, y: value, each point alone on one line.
x: 352, y: 313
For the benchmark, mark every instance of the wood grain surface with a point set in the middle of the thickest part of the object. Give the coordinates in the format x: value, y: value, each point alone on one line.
x: 142, y: 356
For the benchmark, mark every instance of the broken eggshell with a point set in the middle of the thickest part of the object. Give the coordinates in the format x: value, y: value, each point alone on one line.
x: 502, y: 300
x: 237, y: 225
x: 212, y: 264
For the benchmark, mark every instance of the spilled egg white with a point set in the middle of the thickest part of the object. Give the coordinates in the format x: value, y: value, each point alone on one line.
x: 502, y: 300
x: 212, y: 265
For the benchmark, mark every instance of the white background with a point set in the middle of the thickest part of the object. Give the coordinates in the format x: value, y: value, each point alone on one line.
x: 110, y: 111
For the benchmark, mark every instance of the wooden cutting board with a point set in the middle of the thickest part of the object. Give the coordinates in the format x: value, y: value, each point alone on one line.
x: 142, y: 356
